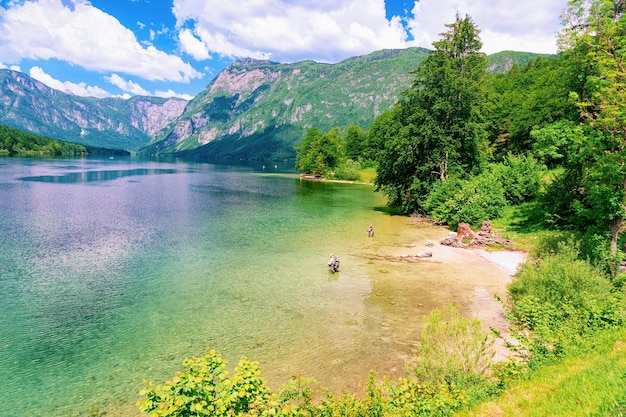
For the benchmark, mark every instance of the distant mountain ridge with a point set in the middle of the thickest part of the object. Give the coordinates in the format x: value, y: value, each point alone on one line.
x: 261, y: 109
x: 32, y: 106
x: 251, y: 110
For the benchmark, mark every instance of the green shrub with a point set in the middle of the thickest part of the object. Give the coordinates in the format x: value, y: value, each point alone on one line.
x: 561, y: 300
x: 520, y: 176
x: 205, y: 389
x: 453, y: 349
x: 453, y: 201
x: 349, y: 170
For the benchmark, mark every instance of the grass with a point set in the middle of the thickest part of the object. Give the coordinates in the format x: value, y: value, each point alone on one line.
x: 522, y: 225
x: 592, y: 384
x: 367, y: 175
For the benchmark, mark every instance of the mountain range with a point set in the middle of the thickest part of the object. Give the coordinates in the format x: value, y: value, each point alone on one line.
x: 252, y: 110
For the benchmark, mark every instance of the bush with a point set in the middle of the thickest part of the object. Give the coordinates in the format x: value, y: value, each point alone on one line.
x: 520, y: 176
x: 453, y: 201
x: 453, y: 350
x: 559, y: 301
x: 205, y: 389
x: 349, y: 170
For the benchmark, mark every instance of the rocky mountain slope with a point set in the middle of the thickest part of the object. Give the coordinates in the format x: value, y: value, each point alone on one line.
x: 31, y: 106
x: 260, y: 109
x: 254, y: 110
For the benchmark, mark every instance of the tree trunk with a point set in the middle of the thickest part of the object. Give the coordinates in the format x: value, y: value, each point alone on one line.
x: 616, y: 224
x: 614, y: 227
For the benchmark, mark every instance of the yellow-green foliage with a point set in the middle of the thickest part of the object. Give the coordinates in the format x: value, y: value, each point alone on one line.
x: 205, y: 388
x: 453, y: 348
x: 559, y: 303
x: 587, y: 385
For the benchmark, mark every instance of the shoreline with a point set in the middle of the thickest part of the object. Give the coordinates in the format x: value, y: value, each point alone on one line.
x: 478, y: 275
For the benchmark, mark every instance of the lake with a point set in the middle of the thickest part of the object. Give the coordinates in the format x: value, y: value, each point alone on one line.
x: 112, y: 271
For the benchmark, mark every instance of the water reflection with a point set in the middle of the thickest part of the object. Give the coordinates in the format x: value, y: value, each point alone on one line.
x: 92, y: 176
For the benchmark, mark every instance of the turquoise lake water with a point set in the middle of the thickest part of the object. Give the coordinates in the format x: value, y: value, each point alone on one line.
x: 112, y: 271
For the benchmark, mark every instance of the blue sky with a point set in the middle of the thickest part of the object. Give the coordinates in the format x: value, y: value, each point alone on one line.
x: 122, y: 48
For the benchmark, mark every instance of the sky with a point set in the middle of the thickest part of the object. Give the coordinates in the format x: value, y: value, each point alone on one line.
x: 175, y: 48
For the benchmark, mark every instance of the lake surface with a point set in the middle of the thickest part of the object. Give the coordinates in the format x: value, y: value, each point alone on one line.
x: 112, y: 271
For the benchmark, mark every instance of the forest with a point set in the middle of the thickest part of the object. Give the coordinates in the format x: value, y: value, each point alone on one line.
x: 540, y: 149
x: 16, y: 142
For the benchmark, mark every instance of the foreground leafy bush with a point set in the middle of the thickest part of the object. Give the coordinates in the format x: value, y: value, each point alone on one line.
x: 558, y: 303
x: 449, y: 374
x: 205, y: 389
x: 453, y: 349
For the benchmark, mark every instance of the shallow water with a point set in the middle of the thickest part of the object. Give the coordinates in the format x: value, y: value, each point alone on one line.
x: 113, y: 271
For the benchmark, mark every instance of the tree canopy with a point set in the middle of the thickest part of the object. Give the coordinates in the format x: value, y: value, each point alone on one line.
x: 17, y: 142
x: 437, y: 123
x: 593, y: 40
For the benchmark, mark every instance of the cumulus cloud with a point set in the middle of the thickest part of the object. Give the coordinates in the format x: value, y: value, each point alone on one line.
x: 171, y: 94
x: 127, y: 86
x: 328, y: 31
x: 285, y: 30
x: 11, y: 67
x: 79, y: 89
x: 505, y: 24
x: 76, y: 32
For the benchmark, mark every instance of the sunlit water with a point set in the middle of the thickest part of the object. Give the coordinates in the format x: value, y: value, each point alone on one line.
x: 113, y: 271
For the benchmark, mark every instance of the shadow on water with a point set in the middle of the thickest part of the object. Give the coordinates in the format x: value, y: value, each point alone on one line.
x: 92, y: 176
x: 391, y: 211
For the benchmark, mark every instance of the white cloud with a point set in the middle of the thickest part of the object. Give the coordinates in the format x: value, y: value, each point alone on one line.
x: 505, y: 24
x: 193, y: 46
x: 85, y: 36
x: 79, y: 89
x: 328, y: 31
x: 171, y: 93
x: 127, y: 86
x: 11, y: 67
x: 285, y: 30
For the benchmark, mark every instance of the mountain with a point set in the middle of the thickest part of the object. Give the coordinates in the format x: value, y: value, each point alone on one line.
x: 31, y: 106
x: 253, y: 110
x: 501, y: 62
x: 260, y: 109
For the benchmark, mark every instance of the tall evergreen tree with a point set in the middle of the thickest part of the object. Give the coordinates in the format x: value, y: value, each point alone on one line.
x: 439, y: 128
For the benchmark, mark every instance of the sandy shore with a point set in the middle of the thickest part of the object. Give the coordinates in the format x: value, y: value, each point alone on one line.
x: 477, y: 274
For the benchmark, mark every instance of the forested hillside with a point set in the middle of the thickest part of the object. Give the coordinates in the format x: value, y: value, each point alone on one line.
x: 16, y: 142
x: 261, y: 110
x: 31, y: 106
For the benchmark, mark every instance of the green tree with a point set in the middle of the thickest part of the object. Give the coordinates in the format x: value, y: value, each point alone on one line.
x: 594, y: 39
x: 524, y: 99
x: 381, y: 131
x: 355, y: 140
x: 319, y: 153
x: 438, y: 127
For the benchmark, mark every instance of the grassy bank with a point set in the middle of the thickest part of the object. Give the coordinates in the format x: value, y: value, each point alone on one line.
x: 589, y: 384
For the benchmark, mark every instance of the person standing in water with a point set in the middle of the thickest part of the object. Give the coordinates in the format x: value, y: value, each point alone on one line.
x: 333, y: 263
x: 370, y: 231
